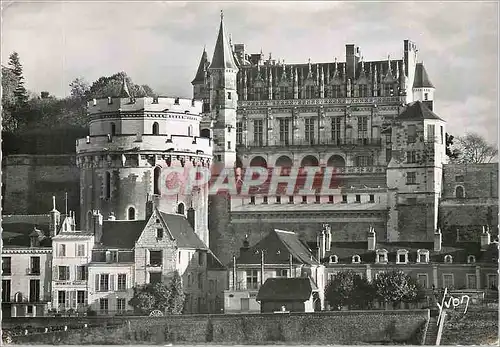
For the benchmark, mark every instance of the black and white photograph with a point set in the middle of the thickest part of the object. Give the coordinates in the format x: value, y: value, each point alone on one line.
x: 249, y: 173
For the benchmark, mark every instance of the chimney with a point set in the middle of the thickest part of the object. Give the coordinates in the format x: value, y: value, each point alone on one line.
x: 372, y: 239
x: 485, y: 239
x: 321, y: 244
x: 150, y: 206
x: 190, y: 217
x: 438, y: 239
x: 328, y: 234
x: 97, y: 225
x: 111, y: 216
x: 55, y: 218
x: 34, y: 238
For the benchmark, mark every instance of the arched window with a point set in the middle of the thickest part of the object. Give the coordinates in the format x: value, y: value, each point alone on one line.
x: 156, y: 182
x: 156, y: 128
x: 356, y: 259
x: 334, y: 259
x: 459, y: 192
x: 18, y: 297
x: 131, y: 213
x: 471, y: 259
x: 108, y: 185
x: 190, y: 130
x: 113, y: 129
x: 448, y: 259
x: 180, y: 208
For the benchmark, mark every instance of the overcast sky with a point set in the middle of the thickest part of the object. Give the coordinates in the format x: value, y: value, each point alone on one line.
x: 160, y: 43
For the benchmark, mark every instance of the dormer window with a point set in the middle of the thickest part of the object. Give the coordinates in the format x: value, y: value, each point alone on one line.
x: 333, y: 259
x: 471, y: 259
x: 356, y: 259
x: 422, y: 256
x: 381, y: 256
x: 159, y: 233
x: 448, y: 259
x: 402, y: 256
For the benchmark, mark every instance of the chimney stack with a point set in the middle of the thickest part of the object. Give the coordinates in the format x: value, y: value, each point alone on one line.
x: 328, y: 234
x: 485, y: 239
x: 372, y: 239
x: 111, y: 216
x: 151, y: 204
x: 55, y: 218
x: 438, y: 239
x: 97, y: 225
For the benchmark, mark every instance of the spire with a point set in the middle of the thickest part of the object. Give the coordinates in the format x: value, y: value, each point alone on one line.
x: 124, y: 93
x: 223, y: 56
x: 421, y: 78
x: 200, y: 73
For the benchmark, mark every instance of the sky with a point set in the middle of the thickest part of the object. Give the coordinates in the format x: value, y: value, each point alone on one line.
x: 160, y: 43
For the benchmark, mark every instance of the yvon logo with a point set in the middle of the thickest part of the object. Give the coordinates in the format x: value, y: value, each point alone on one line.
x: 453, y: 302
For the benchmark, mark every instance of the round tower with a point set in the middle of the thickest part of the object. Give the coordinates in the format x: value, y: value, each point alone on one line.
x: 132, y: 146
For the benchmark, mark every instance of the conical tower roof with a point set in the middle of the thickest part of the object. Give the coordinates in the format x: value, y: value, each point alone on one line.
x: 421, y: 78
x: 200, y: 74
x: 124, y: 92
x: 223, y: 56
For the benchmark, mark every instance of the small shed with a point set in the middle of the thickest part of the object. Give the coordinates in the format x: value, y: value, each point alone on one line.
x: 295, y: 294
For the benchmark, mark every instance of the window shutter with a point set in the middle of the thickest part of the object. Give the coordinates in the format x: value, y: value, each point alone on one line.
x: 54, y: 273
x: 111, y: 283
x: 96, y: 283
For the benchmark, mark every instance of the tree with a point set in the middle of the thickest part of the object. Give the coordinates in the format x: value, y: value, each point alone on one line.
x: 177, y: 297
x: 395, y: 287
x: 79, y: 88
x: 143, y: 300
x: 9, y: 84
x: 111, y: 86
x: 20, y: 92
x: 338, y: 291
x: 474, y: 149
x: 363, y: 295
x: 452, y: 153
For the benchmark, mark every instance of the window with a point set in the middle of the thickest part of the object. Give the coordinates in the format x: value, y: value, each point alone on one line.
x: 330, y: 199
x: 372, y: 198
x: 34, y: 295
x: 228, y: 144
x: 176, y: 101
x: 108, y: 185
x: 309, y: 130
x: 492, y: 281
x: 264, y: 200
x: 364, y: 160
x: 120, y: 304
x: 159, y: 233
x: 122, y: 282
x: 290, y: 199
x: 81, y: 297
x: 154, y: 277
x: 258, y: 134
x: 155, y: 258
x: 239, y: 133
x: 113, y: 129
x: 5, y: 290
x: 200, y: 281
x: 318, y: 199
x: 363, y: 90
x: 459, y: 178
x: 412, y: 133
x: 422, y: 256
x: 35, y: 265
x: 459, y: 192
x: 61, y: 297
x: 423, y: 280
x: 103, y: 305
x: 362, y: 128
x: 431, y: 136
x: 471, y: 281
x: 201, y: 257
x: 131, y: 213
x: 336, y: 92
x: 344, y: 199
x: 282, y: 273
x: 356, y: 259
x: 80, y: 250
x: 284, y: 131
x: 252, y: 279
x: 381, y: 256
x: 441, y: 133
x: 333, y: 259
x: 426, y: 96
x: 229, y: 95
x: 156, y: 128
x: 278, y: 199
x: 82, y: 273
x: 402, y: 257
x: 336, y: 126
x: 411, y: 178
x: 358, y: 198
x: 63, y: 273
x: 304, y: 199
x: 388, y: 138
x: 471, y: 259
x: 103, y: 282
x: 448, y: 259
x: 448, y: 281
x: 62, y: 250
x: 411, y: 157
x: 6, y: 266
x: 252, y: 200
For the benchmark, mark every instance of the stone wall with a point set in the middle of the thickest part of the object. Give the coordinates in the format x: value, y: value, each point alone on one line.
x: 478, y: 180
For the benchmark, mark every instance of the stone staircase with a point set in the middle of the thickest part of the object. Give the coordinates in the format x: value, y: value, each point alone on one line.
x: 432, y: 332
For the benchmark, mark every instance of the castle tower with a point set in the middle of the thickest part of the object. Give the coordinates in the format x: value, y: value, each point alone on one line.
x: 133, y: 148
x: 423, y: 89
x: 200, y: 82
x: 223, y: 99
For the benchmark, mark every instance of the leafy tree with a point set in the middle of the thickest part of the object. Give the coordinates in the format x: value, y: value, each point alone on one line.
x: 338, y: 291
x: 79, y: 88
x: 363, y: 295
x: 473, y: 148
x: 143, y: 300
x: 112, y: 86
x: 9, y: 84
x: 20, y: 92
x: 395, y: 287
x: 452, y: 153
x: 177, y: 297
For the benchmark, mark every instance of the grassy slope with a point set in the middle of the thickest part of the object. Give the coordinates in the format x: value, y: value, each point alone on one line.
x: 474, y: 328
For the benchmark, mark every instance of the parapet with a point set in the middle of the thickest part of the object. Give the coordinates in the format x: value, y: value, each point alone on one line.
x: 146, y: 104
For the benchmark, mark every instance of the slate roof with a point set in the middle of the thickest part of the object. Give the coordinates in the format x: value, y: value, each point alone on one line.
x: 121, y: 234
x: 417, y: 110
x: 285, y: 289
x: 200, y: 73
x: 278, y: 246
x: 421, y: 78
x: 18, y: 235
x: 223, y: 54
x: 182, y: 231
x: 459, y: 251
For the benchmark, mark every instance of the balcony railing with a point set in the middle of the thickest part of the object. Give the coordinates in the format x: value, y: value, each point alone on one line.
x: 33, y: 271
x: 341, y: 143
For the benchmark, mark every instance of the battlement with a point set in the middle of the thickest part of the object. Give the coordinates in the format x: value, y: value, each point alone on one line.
x: 147, y: 143
x: 146, y: 104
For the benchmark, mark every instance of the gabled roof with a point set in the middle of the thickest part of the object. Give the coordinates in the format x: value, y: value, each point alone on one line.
x: 421, y: 78
x: 278, y: 245
x: 121, y: 234
x: 200, y: 73
x: 417, y: 110
x: 182, y: 231
x: 285, y: 289
x: 223, y: 54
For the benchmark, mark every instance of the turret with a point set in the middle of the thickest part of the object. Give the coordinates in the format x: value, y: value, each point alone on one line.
x: 423, y: 89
